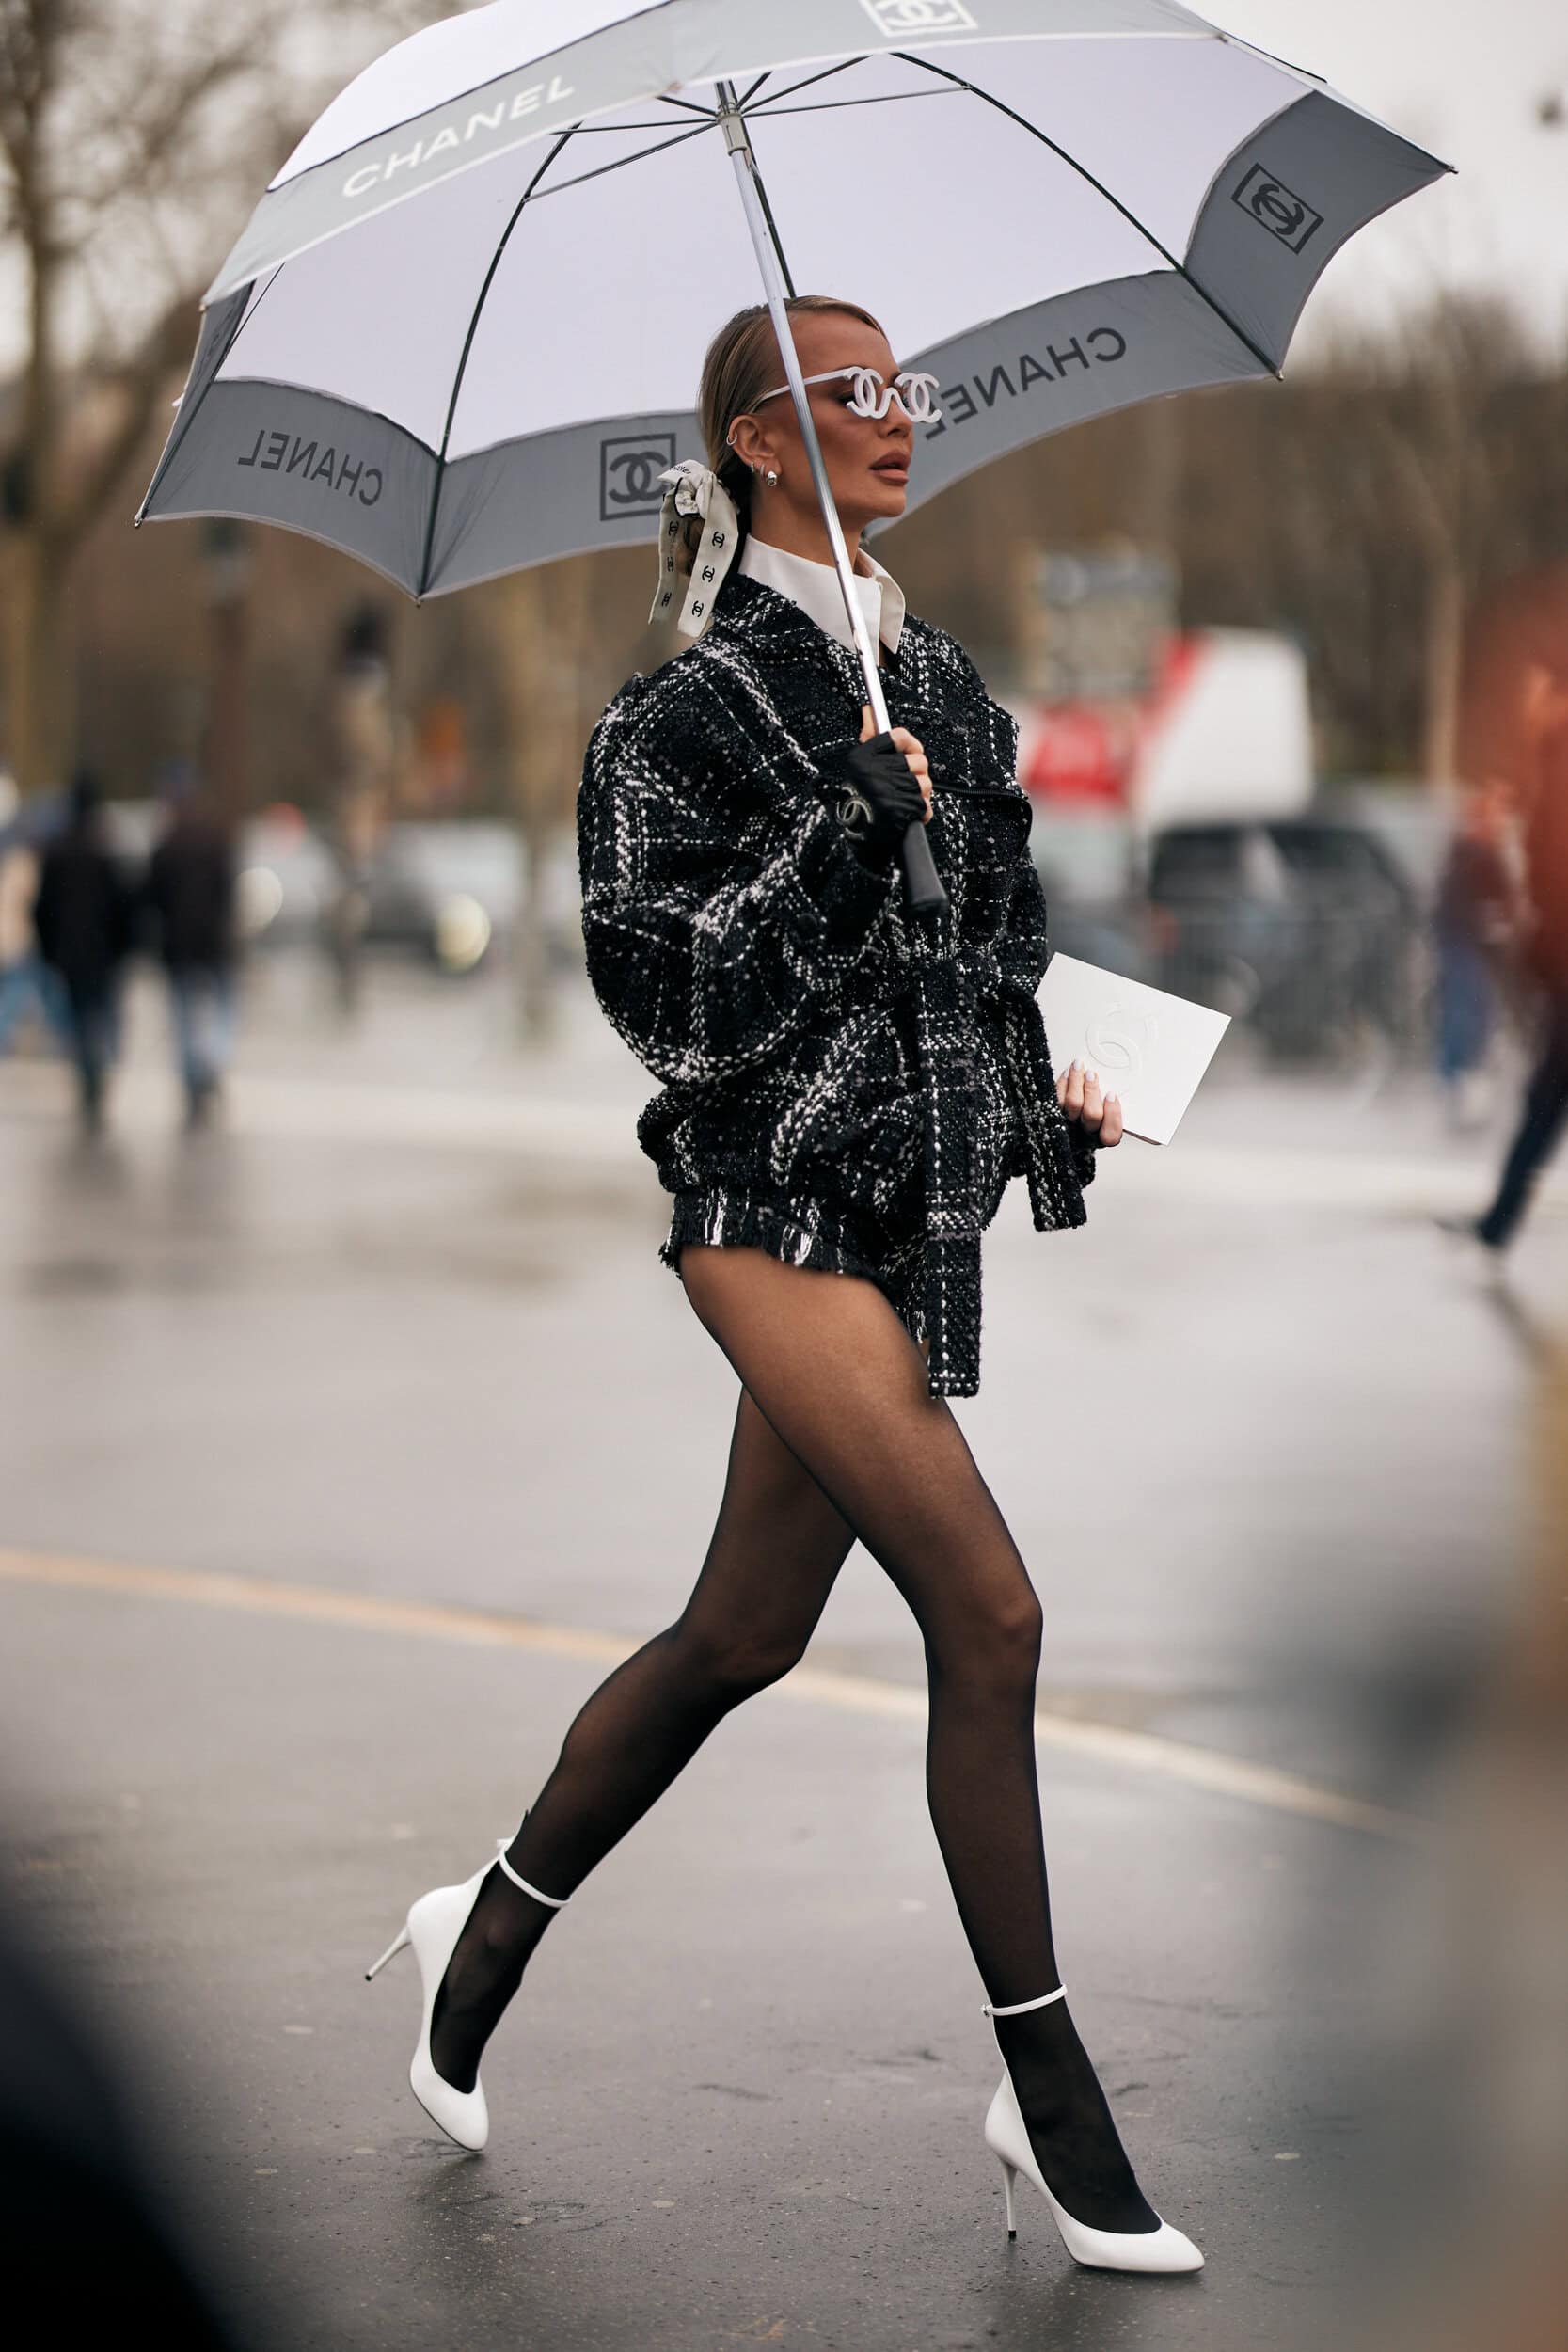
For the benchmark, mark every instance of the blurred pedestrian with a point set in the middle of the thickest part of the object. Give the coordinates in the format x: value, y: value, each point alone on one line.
x: 82, y: 918
x: 191, y: 897
x: 1544, y: 957
x: 26, y: 984
x: 87, y: 2245
x: 1475, y: 922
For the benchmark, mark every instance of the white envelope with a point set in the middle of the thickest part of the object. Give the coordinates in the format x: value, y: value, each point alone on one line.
x: 1149, y: 1048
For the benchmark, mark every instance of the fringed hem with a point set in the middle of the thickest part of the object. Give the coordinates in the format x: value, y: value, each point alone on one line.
x: 798, y: 1233
x: 786, y: 1229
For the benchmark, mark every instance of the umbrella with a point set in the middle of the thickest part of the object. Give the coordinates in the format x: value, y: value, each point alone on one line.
x: 461, y: 331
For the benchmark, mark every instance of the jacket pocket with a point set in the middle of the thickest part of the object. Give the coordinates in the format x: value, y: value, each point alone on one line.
x: 853, y: 1128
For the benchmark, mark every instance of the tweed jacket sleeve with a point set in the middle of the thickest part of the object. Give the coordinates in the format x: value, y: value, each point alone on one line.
x: 712, y: 920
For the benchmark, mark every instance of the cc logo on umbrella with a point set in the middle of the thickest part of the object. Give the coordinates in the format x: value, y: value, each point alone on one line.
x: 919, y: 16
x: 629, y: 475
x: 1274, y: 207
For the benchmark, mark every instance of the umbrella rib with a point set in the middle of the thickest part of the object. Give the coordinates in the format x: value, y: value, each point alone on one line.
x: 688, y: 106
x: 1071, y: 161
x: 621, y: 161
x: 768, y: 111
x: 463, y: 362
x: 788, y: 91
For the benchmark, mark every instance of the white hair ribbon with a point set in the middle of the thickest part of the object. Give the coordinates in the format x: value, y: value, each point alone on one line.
x: 693, y: 488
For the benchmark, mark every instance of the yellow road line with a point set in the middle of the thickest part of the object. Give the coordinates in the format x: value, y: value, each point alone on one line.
x: 861, y: 1694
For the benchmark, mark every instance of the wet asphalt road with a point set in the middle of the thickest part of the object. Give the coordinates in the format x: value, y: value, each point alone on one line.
x: 1257, y: 1431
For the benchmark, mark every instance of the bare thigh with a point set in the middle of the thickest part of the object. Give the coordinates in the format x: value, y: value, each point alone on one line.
x: 844, y: 1386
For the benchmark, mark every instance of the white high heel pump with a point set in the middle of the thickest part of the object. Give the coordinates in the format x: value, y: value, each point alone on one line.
x: 433, y: 1927
x: 1007, y: 2137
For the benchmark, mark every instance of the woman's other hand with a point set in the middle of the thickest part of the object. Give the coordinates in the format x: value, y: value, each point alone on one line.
x: 1082, y: 1096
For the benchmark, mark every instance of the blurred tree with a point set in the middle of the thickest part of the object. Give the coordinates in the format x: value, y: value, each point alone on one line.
x: 133, y: 132
x: 1444, y: 438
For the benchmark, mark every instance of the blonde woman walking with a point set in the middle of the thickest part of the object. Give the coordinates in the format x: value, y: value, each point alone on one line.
x: 847, y: 1089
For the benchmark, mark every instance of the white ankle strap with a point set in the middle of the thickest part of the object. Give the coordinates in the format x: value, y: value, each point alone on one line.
x: 556, y: 1903
x: 1019, y: 2008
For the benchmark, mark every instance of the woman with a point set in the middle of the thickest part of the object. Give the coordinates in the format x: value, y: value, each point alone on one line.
x: 849, y: 1089
x: 1474, y: 923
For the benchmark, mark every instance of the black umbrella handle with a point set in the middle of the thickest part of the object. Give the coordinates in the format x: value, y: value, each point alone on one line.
x: 922, y: 890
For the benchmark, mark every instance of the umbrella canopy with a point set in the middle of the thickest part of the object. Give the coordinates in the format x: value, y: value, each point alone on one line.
x: 463, y: 330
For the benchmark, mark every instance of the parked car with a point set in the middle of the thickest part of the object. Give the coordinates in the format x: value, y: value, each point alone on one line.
x: 445, y: 891
x: 1085, y: 858
x: 285, y: 881
x: 1307, y: 927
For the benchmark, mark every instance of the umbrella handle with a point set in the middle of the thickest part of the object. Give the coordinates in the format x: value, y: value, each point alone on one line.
x: 922, y: 890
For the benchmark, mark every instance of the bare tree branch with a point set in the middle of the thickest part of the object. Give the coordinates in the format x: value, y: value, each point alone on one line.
x: 138, y: 386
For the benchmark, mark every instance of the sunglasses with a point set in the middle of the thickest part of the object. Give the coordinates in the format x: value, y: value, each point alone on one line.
x: 873, y: 395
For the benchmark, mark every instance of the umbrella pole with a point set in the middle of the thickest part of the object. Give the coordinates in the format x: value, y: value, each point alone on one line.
x: 923, y: 887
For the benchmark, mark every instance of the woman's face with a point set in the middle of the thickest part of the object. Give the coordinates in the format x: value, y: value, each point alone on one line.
x: 868, y: 457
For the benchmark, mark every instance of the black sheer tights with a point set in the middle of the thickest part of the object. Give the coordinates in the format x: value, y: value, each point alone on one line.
x: 836, y: 1437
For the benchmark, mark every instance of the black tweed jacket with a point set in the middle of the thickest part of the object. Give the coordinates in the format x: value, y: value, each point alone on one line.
x: 813, y: 1039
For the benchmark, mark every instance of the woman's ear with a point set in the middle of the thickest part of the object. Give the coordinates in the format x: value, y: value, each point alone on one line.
x: 749, y: 444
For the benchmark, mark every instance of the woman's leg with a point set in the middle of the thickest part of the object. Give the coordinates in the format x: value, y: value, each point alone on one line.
x: 776, y: 1549
x: 837, y: 1374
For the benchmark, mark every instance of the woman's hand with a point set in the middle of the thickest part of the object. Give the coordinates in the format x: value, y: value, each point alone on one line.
x: 1081, y: 1095
x: 916, y: 754
x: 888, y: 790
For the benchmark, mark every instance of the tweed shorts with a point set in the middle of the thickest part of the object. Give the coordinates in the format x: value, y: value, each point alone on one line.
x: 799, y: 1230
x: 808, y: 1230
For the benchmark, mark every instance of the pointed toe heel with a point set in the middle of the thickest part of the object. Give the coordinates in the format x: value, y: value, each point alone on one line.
x: 433, y: 1928
x: 1007, y: 2137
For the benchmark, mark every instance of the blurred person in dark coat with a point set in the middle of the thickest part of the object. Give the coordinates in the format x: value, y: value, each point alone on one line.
x: 83, y: 919
x: 27, y: 987
x: 191, y: 897
x: 1544, y: 957
x: 84, y: 2244
x: 1475, y: 924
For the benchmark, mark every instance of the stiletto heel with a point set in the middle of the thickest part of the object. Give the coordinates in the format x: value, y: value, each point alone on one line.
x: 1007, y: 2137
x: 399, y: 1943
x: 434, y: 1926
x: 1009, y: 2174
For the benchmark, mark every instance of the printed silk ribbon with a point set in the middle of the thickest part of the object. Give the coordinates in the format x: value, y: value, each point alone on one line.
x: 693, y: 488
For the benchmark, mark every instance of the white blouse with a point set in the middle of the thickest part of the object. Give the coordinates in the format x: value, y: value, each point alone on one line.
x: 815, y: 588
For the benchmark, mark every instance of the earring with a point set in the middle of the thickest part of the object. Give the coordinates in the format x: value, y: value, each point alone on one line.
x: 771, y: 479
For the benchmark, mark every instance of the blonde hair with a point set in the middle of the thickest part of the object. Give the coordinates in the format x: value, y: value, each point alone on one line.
x: 741, y: 364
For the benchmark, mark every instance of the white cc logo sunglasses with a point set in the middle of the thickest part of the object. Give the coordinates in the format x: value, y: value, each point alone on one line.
x: 873, y: 395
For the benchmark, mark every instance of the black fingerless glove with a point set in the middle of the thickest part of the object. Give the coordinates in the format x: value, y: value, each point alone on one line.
x: 878, y: 797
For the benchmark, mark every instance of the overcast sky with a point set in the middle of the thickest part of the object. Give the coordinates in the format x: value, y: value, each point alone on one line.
x: 1464, y: 80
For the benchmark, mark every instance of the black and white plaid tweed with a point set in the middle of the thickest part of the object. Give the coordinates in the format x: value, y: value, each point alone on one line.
x: 845, y: 1084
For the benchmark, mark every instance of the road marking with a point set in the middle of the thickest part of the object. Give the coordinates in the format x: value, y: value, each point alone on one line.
x: 861, y: 1694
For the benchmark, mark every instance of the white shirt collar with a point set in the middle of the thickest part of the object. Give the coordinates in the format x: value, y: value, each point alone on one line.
x: 815, y: 588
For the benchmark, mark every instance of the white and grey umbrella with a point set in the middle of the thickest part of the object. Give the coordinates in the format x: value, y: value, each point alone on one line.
x: 463, y: 330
